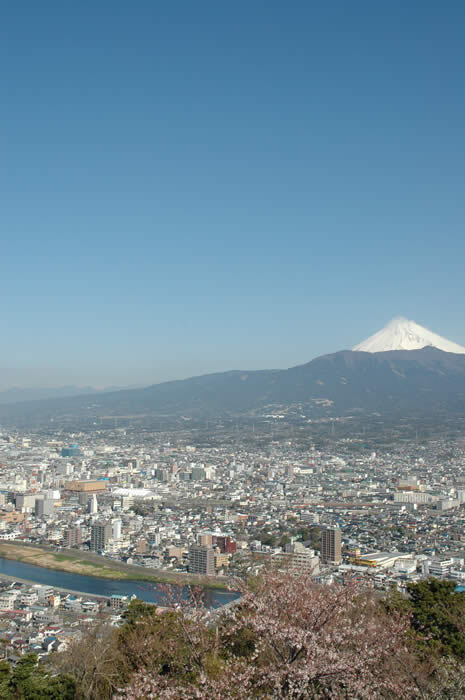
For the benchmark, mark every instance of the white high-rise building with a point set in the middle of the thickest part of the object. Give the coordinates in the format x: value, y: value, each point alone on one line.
x: 92, y: 505
x: 116, y: 529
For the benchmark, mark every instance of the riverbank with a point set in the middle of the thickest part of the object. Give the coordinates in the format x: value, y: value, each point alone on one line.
x: 18, y: 579
x: 85, y: 564
x: 97, y: 587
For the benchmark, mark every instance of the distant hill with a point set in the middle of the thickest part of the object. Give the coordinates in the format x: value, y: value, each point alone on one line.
x: 17, y: 394
x: 425, y: 380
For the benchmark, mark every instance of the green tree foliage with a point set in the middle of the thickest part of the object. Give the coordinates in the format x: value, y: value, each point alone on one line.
x: 137, y: 610
x: 141, y: 508
x: 397, y: 602
x: 27, y: 681
x: 267, y: 538
x: 312, y: 534
x: 438, y: 616
x: 5, y: 672
x: 152, y: 642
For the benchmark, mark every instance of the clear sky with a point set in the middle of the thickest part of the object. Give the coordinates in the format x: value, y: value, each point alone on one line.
x: 190, y: 187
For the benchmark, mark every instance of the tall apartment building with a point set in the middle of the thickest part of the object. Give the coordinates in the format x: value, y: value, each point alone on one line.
x: 72, y: 537
x: 92, y: 505
x: 43, y: 507
x: 99, y: 536
x: 202, y: 560
x: 331, y: 546
x: 116, y: 527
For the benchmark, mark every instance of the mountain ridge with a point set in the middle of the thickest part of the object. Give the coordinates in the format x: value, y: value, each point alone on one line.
x: 334, y: 384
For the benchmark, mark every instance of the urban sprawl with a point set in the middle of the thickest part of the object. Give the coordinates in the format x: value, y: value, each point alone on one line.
x: 163, y: 505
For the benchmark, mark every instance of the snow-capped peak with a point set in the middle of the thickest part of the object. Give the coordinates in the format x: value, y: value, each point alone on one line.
x: 402, y: 334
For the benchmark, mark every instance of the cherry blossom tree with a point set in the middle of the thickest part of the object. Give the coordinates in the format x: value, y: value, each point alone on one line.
x: 287, y: 638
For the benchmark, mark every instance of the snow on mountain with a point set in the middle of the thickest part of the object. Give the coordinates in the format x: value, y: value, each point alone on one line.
x: 402, y: 334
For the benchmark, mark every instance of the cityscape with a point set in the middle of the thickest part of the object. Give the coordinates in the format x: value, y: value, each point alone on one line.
x: 232, y: 364
x: 163, y: 507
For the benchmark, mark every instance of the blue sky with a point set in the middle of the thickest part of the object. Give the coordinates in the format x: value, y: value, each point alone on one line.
x: 191, y: 187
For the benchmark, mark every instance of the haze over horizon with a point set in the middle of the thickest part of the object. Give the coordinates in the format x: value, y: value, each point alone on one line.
x: 399, y: 333
x: 190, y: 189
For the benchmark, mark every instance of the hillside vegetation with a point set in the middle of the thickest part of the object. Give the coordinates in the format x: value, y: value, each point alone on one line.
x: 286, y: 638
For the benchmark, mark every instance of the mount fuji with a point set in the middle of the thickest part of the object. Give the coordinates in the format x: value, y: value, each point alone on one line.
x: 402, y: 370
x: 402, y: 334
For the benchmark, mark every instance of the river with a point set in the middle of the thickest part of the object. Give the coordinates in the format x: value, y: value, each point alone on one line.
x: 92, y: 585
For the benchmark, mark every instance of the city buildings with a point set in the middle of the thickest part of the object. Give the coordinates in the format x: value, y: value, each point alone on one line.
x: 92, y: 505
x: 331, y: 546
x: 116, y: 528
x: 71, y: 451
x: 398, y: 505
x: 72, y: 537
x: 44, y: 507
x: 100, y: 536
x: 298, y: 558
x: 440, y: 567
x: 202, y: 560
